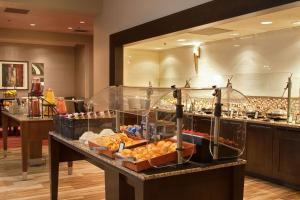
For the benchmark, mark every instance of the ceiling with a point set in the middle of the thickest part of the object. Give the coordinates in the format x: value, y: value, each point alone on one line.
x: 235, y: 29
x: 60, y: 16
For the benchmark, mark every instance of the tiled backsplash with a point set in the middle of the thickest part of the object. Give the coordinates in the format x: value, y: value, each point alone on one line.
x: 264, y: 104
x: 257, y: 103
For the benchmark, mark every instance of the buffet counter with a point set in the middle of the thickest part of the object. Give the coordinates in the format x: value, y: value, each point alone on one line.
x: 190, y: 181
x: 281, y: 123
x: 271, y: 146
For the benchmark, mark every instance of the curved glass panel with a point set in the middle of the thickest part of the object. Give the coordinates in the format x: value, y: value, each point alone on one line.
x: 231, y: 128
x: 145, y: 121
x: 132, y: 100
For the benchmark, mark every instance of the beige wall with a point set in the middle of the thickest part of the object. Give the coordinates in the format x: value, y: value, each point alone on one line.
x: 83, y: 71
x: 78, y: 6
x: 80, y: 60
x: 59, y: 64
x: 260, y: 65
x: 84, y: 76
x: 118, y: 15
x: 41, y: 37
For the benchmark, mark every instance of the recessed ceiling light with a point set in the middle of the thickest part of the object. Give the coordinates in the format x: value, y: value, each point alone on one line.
x: 158, y: 48
x: 236, y: 45
x: 297, y: 23
x: 70, y: 28
x: 234, y: 34
x: 82, y: 22
x: 267, y: 67
x: 197, y: 43
x: 32, y: 24
x: 194, y: 43
x: 266, y: 22
x: 181, y: 40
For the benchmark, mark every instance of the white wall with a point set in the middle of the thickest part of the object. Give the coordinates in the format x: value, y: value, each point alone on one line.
x: 260, y: 65
x: 118, y: 15
x: 141, y: 67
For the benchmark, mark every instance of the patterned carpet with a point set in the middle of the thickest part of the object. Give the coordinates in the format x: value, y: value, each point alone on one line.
x: 15, y: 142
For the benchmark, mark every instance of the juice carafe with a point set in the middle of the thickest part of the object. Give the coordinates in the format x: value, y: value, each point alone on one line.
x: 34, y: 107
x: 36, y: 88
x: 61, y: 105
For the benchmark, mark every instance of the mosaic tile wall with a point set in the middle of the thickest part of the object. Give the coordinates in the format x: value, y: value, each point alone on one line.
x: 262, y: 104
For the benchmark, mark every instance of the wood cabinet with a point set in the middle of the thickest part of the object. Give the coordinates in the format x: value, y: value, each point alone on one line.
x: 272, y: 152
x: 287, y: 155
x: 259, y: 145
x: 202, y: 124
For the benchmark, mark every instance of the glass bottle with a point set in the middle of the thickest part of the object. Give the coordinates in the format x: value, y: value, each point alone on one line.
x: 36, y: 87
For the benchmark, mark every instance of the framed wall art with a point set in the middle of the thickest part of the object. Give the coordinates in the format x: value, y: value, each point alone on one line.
x: 37, y: 69
x: 14, y: 75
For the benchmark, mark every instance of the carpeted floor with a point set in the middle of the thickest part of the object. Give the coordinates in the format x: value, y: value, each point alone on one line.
x: 15, y: 142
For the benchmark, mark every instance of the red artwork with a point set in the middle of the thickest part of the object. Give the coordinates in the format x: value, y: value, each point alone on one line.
x: 14, y: 75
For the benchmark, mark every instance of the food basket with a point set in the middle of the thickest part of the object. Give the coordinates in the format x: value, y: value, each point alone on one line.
x: 102, y: 150
x: 138, y: 166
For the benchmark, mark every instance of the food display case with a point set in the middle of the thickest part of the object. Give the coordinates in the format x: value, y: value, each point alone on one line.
x: 225, y: 136
x: 156, y: 127
x: 138, y: 138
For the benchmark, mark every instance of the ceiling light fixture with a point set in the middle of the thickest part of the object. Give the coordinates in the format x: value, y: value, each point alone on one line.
x: 297, y: 23
x: 234, y: 34
x: 82, y: 22
x: 196, y: 53
x: 32, y: 24
x: 70, y: 28
x: 158, y: 48
x: 181, y: 40
x: 236, y: 45
x: 266, y: 22
x: 196, y: 43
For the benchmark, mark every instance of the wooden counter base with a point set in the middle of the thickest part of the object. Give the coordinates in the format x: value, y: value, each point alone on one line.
x: 223, y: 183
x: 33, y: 132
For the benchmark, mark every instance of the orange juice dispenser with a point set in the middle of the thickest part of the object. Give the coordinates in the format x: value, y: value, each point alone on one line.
x: 49, y: 103
x: 61, y: 106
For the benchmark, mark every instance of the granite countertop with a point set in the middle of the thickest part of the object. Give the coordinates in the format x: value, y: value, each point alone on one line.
x: 155, y: 172
x: 255, y: 121
x: 24, y: 118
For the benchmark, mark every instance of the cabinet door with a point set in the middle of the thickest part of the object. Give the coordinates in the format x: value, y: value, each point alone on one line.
x: 259, y: 145
x: 231, y: 129
x: 287, y: 155
x: 202, y: 124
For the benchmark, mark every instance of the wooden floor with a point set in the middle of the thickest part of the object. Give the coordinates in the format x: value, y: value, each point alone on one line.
x: 87, y: 182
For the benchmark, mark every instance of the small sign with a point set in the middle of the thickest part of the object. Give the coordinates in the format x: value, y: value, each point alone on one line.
x: 256, y: 115
x: 121, y: 146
